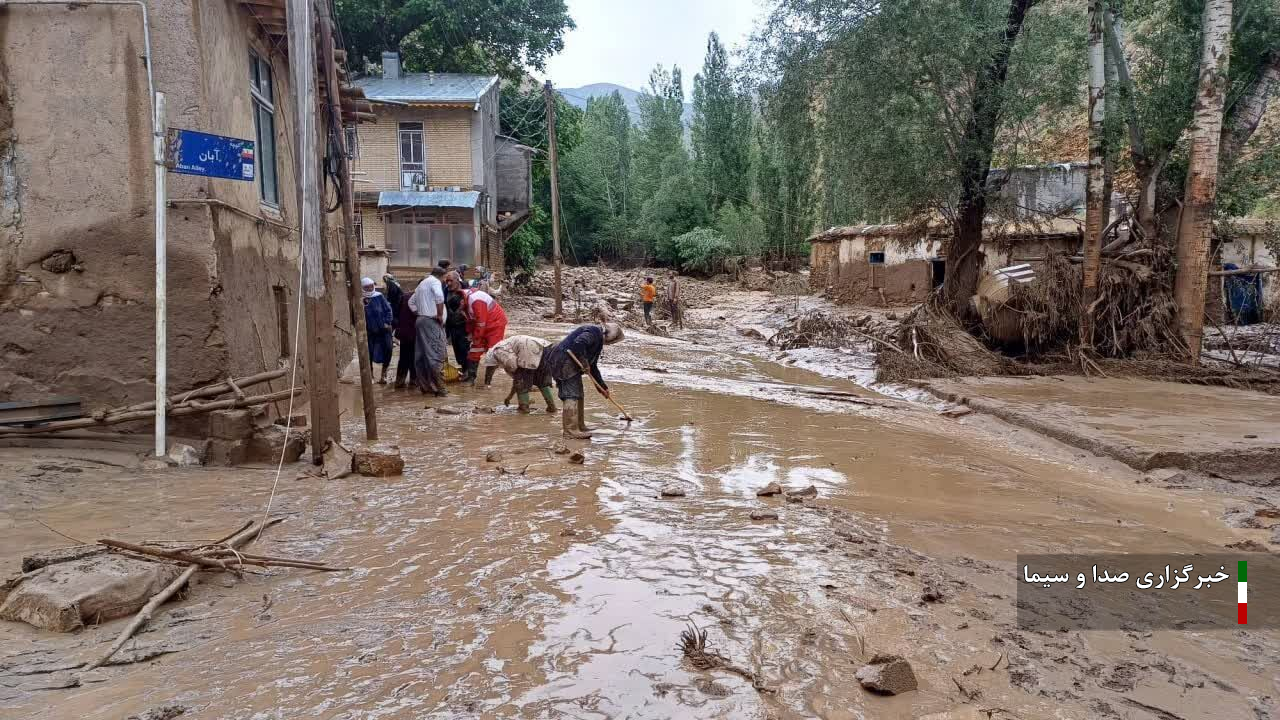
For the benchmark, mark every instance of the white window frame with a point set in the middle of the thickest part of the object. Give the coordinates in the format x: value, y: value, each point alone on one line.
x: 411, y: 130
x: 263, y: 101
x: 357, y: 227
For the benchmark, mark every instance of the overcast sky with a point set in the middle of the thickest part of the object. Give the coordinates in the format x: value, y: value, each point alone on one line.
x: 619, y: 41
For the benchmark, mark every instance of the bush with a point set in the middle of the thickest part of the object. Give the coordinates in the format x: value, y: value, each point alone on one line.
x: 702, y: 250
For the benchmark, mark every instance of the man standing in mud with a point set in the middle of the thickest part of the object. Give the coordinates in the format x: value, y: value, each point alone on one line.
x: 648, y: 293
x: 427, y: 302
x: 673, y: 301
x: 579, y: 353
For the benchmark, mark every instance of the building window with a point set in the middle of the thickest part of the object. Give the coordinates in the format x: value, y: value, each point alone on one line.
x: 413, y: 168
x: 357, y: 227
x: 353, y: 142
x: 421, y: 238
x: 875, y: 258
x: 264, y: 125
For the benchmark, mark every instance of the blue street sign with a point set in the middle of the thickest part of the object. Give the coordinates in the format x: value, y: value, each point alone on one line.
x: 197, y: 153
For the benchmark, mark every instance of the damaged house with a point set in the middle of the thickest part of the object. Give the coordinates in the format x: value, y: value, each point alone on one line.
x: 434, y: 179
x: 77, y: 258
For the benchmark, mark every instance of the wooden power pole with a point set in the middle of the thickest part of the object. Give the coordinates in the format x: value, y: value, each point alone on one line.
x: 322, y: 365
x: 351, y: 254
x: 555, y: 189
x: 1095, y: 203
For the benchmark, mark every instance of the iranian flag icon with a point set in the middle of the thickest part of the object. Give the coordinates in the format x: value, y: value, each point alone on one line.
x: 1242, y: 595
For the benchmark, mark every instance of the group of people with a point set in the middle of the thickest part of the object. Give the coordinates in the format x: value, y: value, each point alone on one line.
x: 649, y: 295
x: 446, y: 310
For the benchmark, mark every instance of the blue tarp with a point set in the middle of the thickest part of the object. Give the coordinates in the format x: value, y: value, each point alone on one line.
x: 435, y: 198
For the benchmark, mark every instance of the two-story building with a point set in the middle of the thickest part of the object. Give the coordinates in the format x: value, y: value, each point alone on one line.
x: 77, y: 263
x: 434, y: 178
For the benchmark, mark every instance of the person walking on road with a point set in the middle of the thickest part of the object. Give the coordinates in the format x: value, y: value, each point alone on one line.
x: 648, y: 293
x: 378, y: 320
x: 566, y: 361
x: 430, y: 351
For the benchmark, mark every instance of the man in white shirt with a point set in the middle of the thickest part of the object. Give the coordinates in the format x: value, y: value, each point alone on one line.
x: 427, y: 302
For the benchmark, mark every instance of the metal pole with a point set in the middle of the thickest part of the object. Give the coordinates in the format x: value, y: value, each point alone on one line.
x: 555, y: 189
x: 162, y: 360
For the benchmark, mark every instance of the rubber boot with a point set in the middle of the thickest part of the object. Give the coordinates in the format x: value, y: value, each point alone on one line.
x: 582, y: 416
x: 570, y: 423
x: 523, y: 405
x: 546, y: 395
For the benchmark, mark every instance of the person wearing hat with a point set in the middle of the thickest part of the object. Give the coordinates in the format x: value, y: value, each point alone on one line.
x: 578, y: 353
x: 378, y: 320
x: 430, y: 343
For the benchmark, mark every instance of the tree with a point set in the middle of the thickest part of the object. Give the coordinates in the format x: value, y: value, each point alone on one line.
x: 721, y: 130
x: 598, y: 174
x: 1196, y: 226
x: 1096, y: 199
x: 660, y: 130
x: 501, y: 36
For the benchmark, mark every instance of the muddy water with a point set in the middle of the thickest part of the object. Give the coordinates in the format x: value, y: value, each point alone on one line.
x: 555, y: 590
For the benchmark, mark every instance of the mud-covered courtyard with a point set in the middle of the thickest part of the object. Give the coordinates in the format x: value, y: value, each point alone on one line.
x: 496, y: 578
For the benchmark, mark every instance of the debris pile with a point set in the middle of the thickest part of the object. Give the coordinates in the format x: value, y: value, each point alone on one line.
x: 817, y: 328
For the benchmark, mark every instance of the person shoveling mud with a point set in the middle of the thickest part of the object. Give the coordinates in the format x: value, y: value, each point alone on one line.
x: 579, y: 353
x: 521, y: 356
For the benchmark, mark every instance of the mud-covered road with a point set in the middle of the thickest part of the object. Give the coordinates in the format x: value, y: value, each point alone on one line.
x: 560, y: 590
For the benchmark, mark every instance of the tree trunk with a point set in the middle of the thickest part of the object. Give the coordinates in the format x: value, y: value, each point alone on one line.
x: 964, y: 257
x: 1247, y: 112
x: 1095, y: 202
x: 1195, y: 229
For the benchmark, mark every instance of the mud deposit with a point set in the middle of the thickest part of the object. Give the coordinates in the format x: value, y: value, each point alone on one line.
x: 558, y: 590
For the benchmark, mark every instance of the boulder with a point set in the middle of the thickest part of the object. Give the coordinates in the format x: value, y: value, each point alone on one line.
x: 493, y: 456
x: 809, y: 492
x: 560, y: 450
x: 887, y: 675
x: 382, y: 460
x: 336, y: 461
x: 577, y: 458
x: 66, y: 596
x: 184, y: 455
x: 268, y: 442
x: 231, y: 424
x: 672, y: 490
x: 764, y: 514
x: 37, y: 560
x: 772, y: 488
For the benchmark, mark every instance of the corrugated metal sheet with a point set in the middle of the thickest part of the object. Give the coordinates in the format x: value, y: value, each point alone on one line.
x: 428, y: 87
x: 434, y: 198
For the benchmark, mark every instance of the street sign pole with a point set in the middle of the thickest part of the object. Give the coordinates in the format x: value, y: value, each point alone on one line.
x: 162, y: 364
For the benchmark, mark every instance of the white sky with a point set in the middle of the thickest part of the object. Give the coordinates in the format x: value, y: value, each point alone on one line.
x: 619, y: 41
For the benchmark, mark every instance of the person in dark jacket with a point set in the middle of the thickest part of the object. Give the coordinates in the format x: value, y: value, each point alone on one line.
x: 455, y: 325
x: 393, y: 291
x: 568, y: 360
x: 407, y: 335
x: 378, y: 321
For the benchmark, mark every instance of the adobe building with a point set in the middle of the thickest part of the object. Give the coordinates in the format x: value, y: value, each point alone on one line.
x: 77, y: 240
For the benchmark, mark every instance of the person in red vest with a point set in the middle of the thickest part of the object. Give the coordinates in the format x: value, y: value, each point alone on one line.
x: 486, y: 325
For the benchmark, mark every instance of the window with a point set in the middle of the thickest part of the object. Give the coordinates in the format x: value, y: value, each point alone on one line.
x: 357, y: 226
x: 421, y: 238
x: 413, y: 169
x: 875, y: 258
x: 352, y: 141
x: 264, y: 125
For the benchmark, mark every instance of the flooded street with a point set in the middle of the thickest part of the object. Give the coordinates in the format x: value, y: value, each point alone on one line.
x: 530, y: 587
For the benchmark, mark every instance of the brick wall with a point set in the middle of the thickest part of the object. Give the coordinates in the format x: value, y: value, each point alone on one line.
x: 446, y: 140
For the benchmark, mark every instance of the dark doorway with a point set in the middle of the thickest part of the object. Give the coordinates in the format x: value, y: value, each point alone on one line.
x: 938, y: 268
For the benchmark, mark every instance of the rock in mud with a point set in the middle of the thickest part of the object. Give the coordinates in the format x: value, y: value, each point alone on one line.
x: 66, y: 596
x: 751, y: 333
x: 772, y: 488
x: 37, y: 560
x: 380, y: 460
x: 231, y: 424
x: 448, y: 410
x: 185, y: 456
x: 270, y: 441
x: 493, y: 456
x: 965, y: 712
x: 59, y: 262
x: 577, y: 458
x: 672, y: 490
x: 1172, y: 476
x: 887, y: 675
x: 958, y: 411
x: 560, y: 450
x: 1267, y: 512
x: 932, y: 591
x: 809, y: 492
x: 336, y: 461
x: 227, y: 453
x: 164, y: 712
x: 764, y: 514
x: 711, y: 687
x: 1248, y: 546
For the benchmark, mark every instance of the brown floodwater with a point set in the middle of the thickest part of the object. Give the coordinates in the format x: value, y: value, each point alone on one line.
x: 559, y: 591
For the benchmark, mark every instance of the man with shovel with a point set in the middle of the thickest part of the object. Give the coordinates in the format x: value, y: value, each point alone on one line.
x: 579, y: 353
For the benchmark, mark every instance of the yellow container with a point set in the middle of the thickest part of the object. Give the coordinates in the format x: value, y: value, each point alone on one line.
x: 451, y: 373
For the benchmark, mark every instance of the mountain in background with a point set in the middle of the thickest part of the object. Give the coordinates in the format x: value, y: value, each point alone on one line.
x: 579, y: 96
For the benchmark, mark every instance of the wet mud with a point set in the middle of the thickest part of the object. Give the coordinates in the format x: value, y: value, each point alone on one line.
x: 498, y: 579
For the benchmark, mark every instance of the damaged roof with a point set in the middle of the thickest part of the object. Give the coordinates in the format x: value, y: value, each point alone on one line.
x: 994, y: 229
x: 428, y: 87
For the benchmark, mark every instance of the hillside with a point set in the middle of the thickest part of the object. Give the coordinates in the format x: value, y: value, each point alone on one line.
x: 579, y: 96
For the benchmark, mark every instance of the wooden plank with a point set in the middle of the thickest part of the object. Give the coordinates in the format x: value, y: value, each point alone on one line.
x: 34, y: 412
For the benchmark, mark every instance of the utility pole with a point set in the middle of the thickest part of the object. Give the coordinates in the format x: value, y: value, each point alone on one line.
x: 159, y: 127
x: 555, y: 188
x: 1095, y: 203
x: 350, y: 253
x: 322, y: 375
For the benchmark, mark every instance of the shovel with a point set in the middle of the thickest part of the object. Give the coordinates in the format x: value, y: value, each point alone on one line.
x: 625, y: 415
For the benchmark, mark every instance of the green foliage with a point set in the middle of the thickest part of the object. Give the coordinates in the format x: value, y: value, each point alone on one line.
x: 598, y: 176
x: 701, y: 250
x: 499, y: 36
x: 721, y: 131
x: 743, y: 230
x: 530, y: 241
x: 675, y: 208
